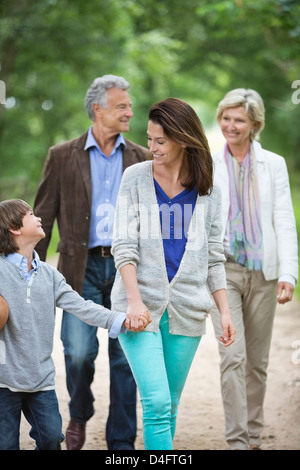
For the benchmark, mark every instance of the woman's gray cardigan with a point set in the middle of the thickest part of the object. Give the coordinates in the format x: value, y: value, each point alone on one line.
x: 137, y: 240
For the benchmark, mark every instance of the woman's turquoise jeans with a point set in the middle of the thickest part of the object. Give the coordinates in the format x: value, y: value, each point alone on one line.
x: 160, y: 363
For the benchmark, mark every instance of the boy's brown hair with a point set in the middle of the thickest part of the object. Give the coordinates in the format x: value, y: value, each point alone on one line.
x: 12, y: 212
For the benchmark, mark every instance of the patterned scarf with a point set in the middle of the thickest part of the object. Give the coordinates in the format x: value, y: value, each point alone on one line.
x: 245, y: 233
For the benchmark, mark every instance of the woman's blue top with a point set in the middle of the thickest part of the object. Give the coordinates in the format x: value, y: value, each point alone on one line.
x: 175, y: 217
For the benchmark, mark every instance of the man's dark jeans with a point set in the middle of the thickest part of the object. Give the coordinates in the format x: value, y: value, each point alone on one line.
x: 81, y: 349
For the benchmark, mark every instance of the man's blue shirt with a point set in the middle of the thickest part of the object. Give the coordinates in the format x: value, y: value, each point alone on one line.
x: 106, y: 175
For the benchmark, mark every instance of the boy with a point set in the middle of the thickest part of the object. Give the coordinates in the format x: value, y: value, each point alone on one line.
x: 32, y: 290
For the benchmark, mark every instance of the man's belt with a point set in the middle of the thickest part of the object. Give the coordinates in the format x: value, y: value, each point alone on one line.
x: 103, y: 251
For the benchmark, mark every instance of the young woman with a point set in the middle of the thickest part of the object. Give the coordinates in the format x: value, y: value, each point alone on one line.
x: 169, y: 258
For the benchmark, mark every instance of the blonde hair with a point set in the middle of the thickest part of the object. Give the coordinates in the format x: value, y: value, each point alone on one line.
x: 251, y: 101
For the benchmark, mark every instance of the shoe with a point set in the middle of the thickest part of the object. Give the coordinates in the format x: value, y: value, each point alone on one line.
x: 75, y: 435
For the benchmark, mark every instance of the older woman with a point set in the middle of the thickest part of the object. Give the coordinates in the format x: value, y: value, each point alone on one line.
x: 260, y: 243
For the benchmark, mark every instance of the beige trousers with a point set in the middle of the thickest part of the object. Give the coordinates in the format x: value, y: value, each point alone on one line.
x: 243, y: 365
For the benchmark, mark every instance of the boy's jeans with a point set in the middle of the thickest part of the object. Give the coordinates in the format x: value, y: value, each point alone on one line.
x: 41, y: 411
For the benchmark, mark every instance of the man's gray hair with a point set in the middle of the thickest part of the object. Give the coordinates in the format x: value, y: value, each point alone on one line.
x: 97, y: 91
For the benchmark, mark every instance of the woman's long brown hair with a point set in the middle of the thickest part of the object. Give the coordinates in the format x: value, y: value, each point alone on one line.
x: 181, y: 124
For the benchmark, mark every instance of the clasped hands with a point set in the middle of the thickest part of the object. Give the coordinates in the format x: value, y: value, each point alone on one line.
x: 137, y: 317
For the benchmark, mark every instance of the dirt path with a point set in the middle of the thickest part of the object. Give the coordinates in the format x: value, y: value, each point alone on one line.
x: 200, y: 421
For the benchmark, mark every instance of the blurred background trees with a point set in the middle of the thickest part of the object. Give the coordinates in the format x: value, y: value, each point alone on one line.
x: 197, y: 50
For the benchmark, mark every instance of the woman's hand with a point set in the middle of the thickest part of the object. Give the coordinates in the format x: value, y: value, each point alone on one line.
x: 285, y: 292
x: 138, y: 316
x: 228, y: 330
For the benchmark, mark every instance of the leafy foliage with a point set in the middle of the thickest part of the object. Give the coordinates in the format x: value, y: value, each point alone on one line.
x: 50, y: 52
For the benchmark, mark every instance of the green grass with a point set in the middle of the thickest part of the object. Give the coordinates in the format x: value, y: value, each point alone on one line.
x: 54, y: 241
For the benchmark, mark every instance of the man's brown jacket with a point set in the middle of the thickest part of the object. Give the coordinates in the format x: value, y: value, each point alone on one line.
x: 64, y: 194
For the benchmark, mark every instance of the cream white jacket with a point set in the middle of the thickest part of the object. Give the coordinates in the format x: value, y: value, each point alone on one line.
x: 277, y: 216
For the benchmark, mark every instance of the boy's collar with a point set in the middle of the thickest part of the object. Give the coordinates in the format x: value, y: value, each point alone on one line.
x: 17, y: 259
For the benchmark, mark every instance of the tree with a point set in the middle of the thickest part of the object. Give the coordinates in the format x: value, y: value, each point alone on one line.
x: 50, y: 52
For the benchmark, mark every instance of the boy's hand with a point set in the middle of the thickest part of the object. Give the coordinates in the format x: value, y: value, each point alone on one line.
x: 145, y: 318
x: 4, y: 312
